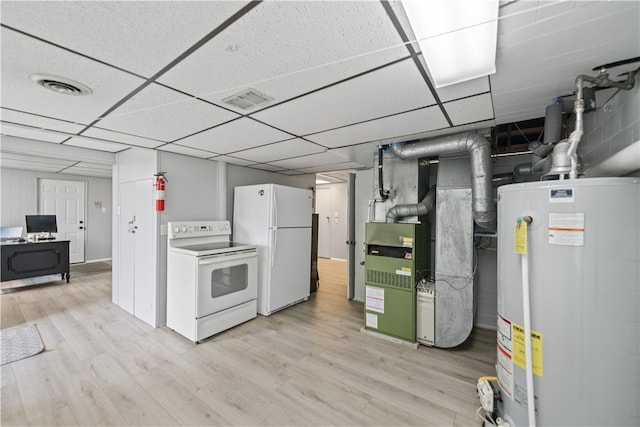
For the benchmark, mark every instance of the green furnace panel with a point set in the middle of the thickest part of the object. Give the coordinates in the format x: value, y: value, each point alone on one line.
x: 395, y: 256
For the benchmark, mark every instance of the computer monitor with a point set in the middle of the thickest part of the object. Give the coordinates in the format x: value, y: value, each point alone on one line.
x: 41, y: 224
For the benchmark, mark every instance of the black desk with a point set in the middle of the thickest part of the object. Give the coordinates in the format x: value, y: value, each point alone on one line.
x: 31, y: 259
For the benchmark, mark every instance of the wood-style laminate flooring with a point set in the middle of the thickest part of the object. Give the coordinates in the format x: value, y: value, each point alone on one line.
x: 306, y: 365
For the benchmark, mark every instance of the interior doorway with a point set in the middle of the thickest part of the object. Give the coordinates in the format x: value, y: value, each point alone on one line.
x: 65, y: 200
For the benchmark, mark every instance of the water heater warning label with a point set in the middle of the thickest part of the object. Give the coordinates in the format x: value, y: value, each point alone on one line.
x: 566, y: 229
x: 518, y: 349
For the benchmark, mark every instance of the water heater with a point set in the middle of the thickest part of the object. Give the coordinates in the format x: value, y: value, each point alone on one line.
x: 583, y: 260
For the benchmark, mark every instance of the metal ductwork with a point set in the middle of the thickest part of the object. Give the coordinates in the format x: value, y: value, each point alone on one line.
x: 479, y: 149
x: 417, y: 209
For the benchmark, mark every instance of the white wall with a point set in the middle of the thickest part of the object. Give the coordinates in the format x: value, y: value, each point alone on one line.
x: 238, y: 175
x: 20, y: 197
x: 611, y: 127
x: 337, y: 208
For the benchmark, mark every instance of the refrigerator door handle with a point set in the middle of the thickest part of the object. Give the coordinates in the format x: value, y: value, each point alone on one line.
x: 275, y: 209
x: 274, y: 245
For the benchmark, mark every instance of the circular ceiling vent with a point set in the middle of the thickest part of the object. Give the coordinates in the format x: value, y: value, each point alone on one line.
x: 61, y: 84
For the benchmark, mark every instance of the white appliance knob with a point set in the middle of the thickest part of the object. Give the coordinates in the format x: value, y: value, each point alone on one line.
x: 176, y: 230
x: 184, y: 229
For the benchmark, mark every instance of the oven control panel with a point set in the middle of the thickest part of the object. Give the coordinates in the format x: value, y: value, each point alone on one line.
x: 183, y: 229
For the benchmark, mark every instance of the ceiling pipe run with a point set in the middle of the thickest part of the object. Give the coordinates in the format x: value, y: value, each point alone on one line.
x: 416, y: 209
x: 479, y: 149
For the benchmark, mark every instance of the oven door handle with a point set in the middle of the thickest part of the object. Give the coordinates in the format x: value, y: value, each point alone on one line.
x: 213, y: 259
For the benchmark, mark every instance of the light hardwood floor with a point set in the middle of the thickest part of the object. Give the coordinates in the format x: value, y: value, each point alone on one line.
x: 306, y: 365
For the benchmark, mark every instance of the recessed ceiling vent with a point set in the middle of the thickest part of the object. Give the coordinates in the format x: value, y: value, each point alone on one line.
x: 61, y: 84
x: 247, y: 99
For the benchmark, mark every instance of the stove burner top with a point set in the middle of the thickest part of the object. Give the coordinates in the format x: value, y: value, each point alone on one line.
x: 213, y: 248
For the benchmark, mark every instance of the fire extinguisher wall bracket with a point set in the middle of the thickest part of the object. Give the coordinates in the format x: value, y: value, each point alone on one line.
x: 160, y: 184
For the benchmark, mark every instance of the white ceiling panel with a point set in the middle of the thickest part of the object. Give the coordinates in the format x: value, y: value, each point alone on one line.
x: 291, y: 172
x: 397, y: 128
x: 391, y: 90
x: 235, y: 136
x: 23, y: 56
x: 30, y: 162
x: 268, y: 168
x: 153, y: 32
x: 335, y: 167
x: 463, y: 90
x: 321, y: 159
x: 39, y: 121
x: 470, y: 110
x: 93, y: 144
x: 121, y: 137
x: 363, y: 154
x: 31, y: 133
x: 87, y: 171
x: 164, y: 114
x: 194, y: 152
x: 233, y: 160
x: 268, y: 153
x: 284, y: 40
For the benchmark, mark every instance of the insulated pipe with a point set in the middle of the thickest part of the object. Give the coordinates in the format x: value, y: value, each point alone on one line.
x: 416, y: 209
x: 552, y: 123
x: 479, y: 149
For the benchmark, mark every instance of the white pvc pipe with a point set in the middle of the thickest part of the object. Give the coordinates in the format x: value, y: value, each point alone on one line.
x: 621, y: 163
x: 531, y: 406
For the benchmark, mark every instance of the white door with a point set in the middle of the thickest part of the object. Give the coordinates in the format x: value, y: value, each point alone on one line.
x: 126, y: 251
x: 145, y: 273
x: 65, y: 200
x: 323, y: 209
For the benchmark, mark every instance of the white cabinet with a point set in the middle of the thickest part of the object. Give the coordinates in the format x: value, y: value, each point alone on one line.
x: 137, y: 273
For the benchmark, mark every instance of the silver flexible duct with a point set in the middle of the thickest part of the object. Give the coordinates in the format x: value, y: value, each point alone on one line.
x: 423, y: 207
x: 479, y: 149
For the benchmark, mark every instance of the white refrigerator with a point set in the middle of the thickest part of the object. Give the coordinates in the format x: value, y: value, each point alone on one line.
x: 277, y: 219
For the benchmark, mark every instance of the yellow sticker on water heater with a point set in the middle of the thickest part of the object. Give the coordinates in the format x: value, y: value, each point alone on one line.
x: 519, y: 357
x: 520, y: 241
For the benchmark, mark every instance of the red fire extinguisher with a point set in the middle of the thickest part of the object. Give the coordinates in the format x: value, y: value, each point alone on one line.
x: 159, y: 184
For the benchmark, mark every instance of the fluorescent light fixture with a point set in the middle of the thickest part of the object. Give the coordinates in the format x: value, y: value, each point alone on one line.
x: 322, y: 181
x: 457, y: 37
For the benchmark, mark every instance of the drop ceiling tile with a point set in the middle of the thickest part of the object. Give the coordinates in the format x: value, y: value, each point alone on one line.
x: 164, y: 114
x: 154, y: 33
x: 268, y: 168
x: 23, y: 56
x: 362, y: 154
x: 180, y: 149
x: 280, y: 150
x: 29, y: 162
x: 305, y: 53
x: 397, y: 127
x: 112, y: 147
x: 320, y: 159
x: 39, y: 121
x: 235, y: 136
x: 31, y: 133
x: 85, y: 171
x: 291, y: 172
x: 121, y: 137
x: 397, y: 88
x: 462, y: 90
x: 334, y: 167
x: 469, y: 110
x: 233, y: 160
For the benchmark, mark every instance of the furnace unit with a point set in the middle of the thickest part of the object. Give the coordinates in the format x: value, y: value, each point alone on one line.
x: 396, y: 259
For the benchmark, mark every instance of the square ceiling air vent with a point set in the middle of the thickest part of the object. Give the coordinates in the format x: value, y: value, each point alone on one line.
x: 247, y: 99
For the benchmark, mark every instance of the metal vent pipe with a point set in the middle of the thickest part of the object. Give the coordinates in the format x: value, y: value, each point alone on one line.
x: 416, y: 209
x: 479, y: 149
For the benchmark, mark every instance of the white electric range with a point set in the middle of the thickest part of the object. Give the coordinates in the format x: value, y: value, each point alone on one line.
x: 212, y: 283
